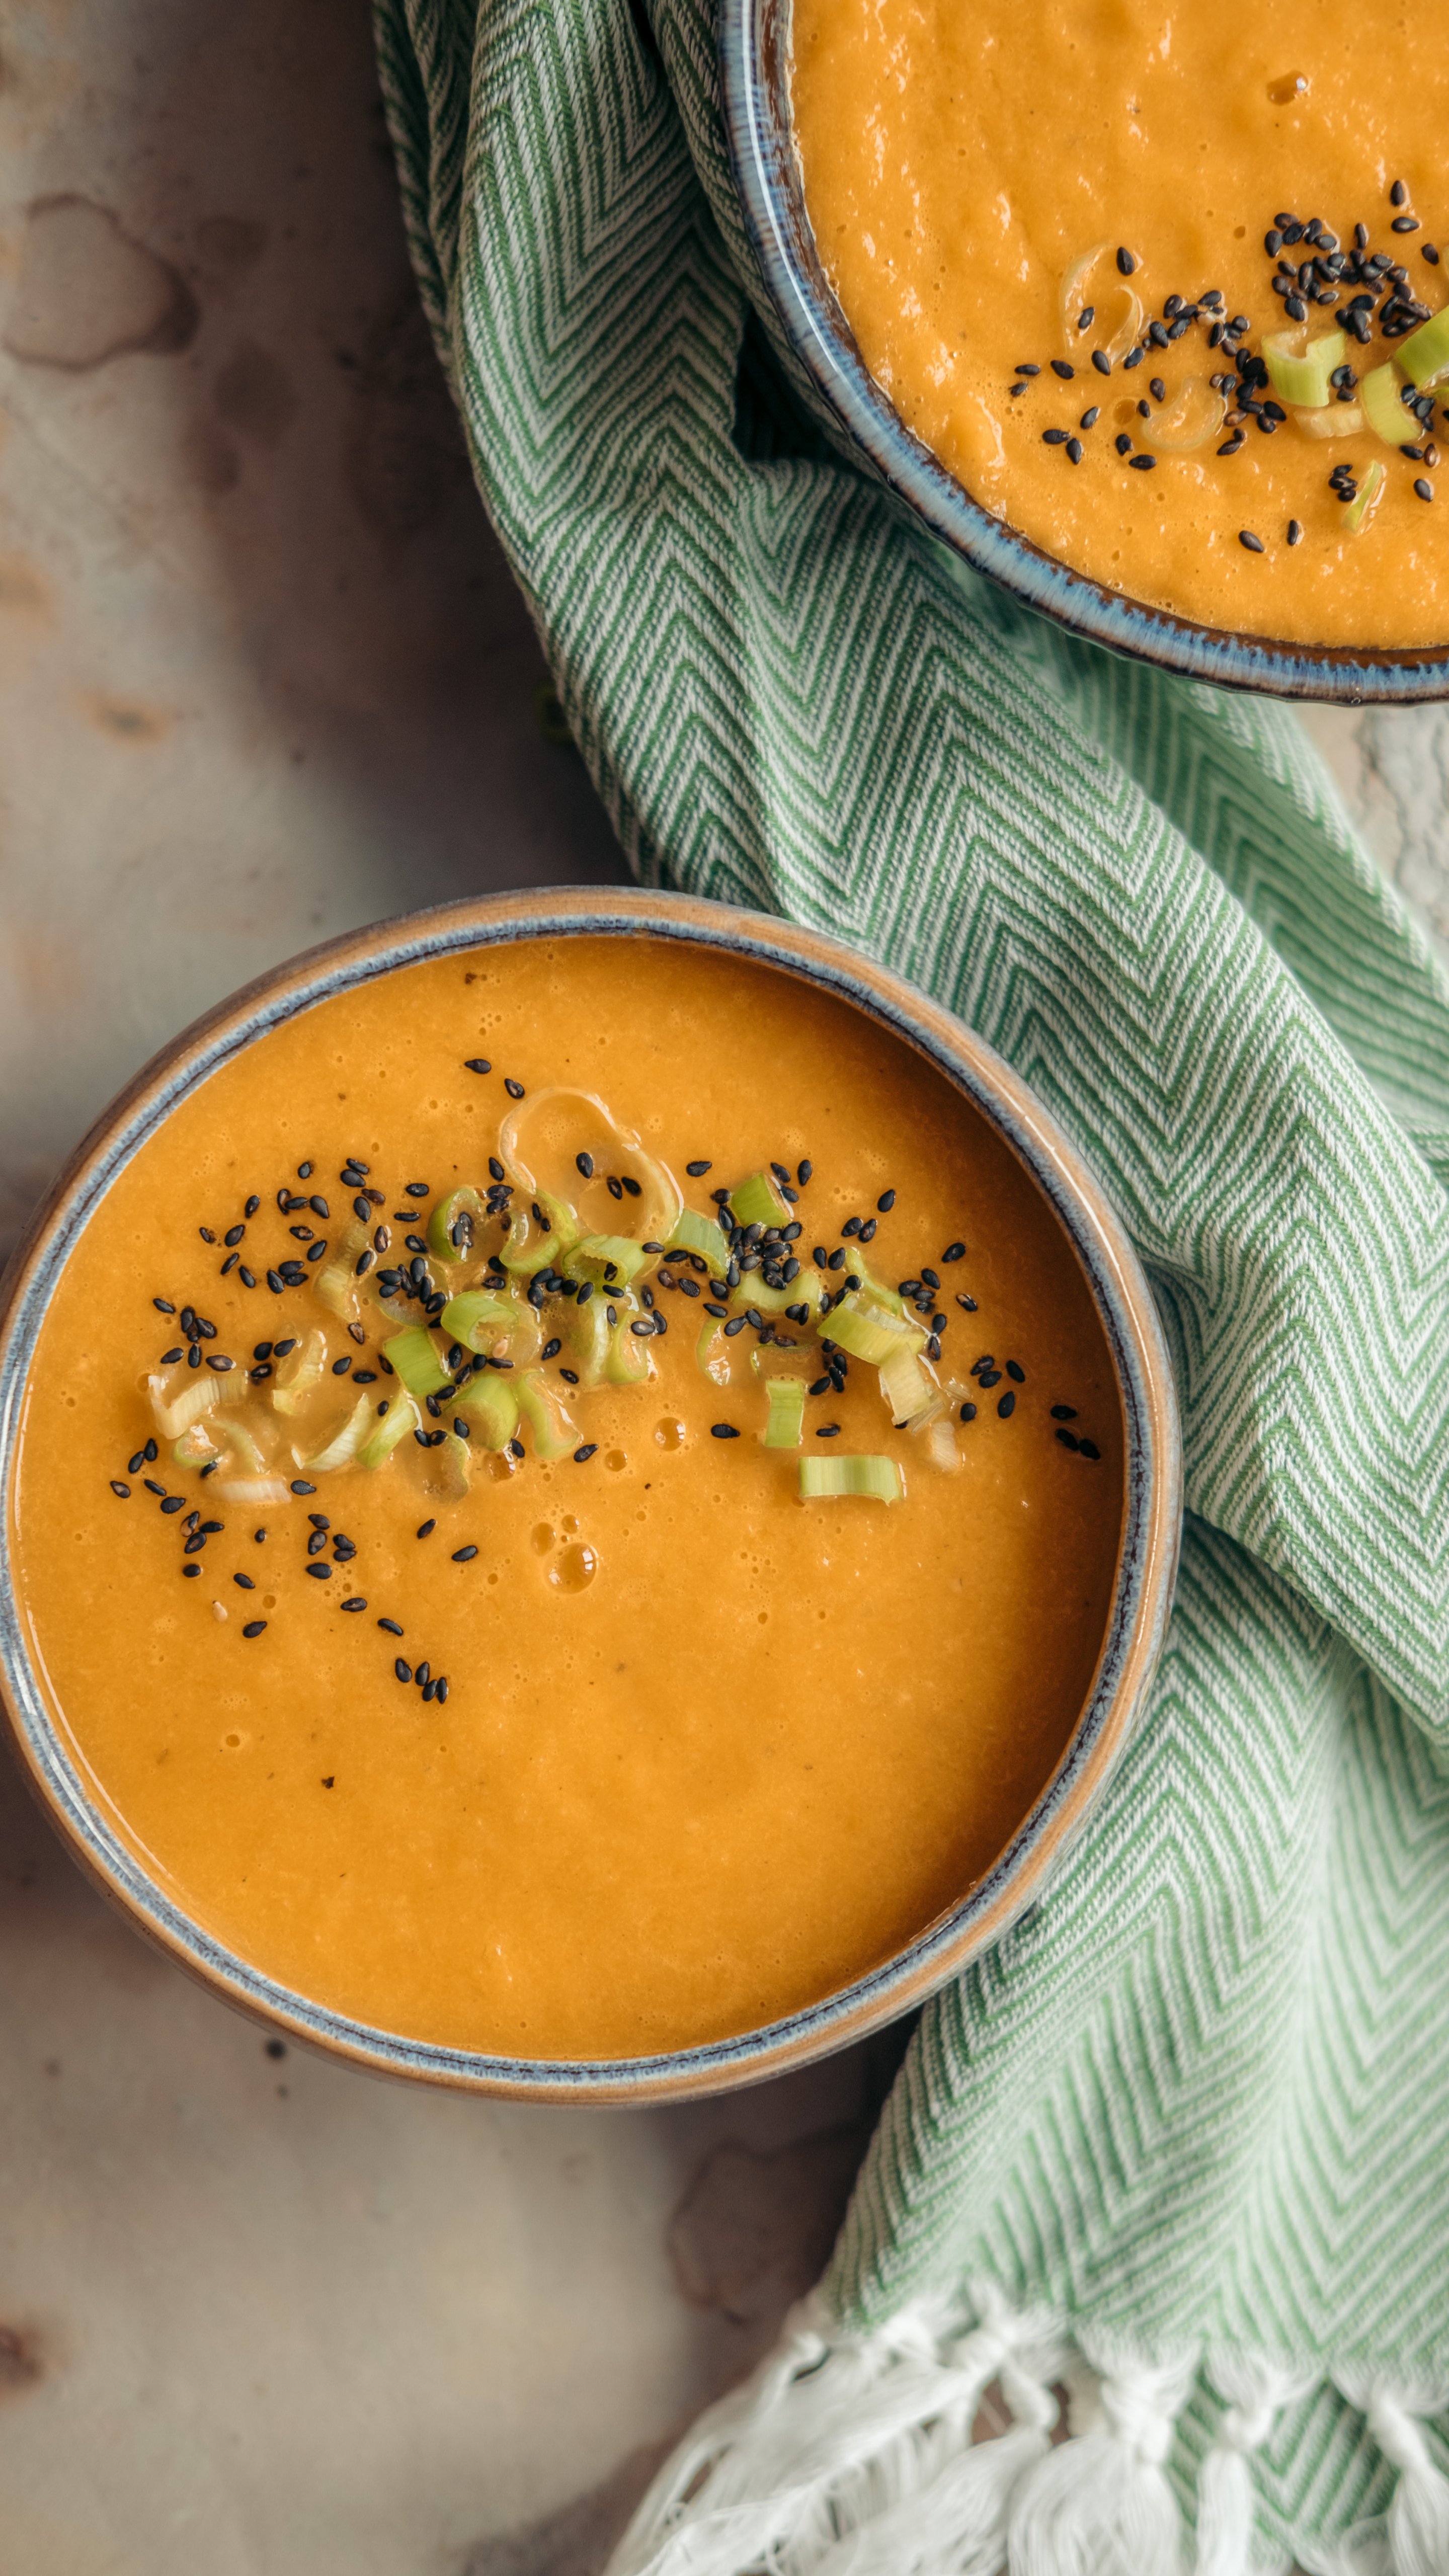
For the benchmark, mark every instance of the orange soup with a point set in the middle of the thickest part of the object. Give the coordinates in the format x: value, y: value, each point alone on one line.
x: 568, y: 1498
x: 1161, y: 287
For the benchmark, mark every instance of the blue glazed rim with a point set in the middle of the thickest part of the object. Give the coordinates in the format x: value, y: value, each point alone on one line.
x: 1147, y: 1564
x: 754, y: 58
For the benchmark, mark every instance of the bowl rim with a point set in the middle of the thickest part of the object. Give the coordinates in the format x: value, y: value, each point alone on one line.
x: 1152, y: 1481
x: 771, y: 198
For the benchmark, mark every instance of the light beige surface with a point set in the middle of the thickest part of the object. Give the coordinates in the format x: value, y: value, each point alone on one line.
x: 262, y: 676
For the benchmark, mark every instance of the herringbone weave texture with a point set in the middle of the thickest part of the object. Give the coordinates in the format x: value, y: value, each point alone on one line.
x: 1201, y: 2097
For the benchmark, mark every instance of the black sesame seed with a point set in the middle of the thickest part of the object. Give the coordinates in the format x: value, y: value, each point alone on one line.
x: 403, y: 1671
x: 1089, y: 1449
x: 173, y: 1502
x: 1090, y: 418
x: 251, y: 1207
x: 301, y: 1486
x: 253, y: 1627
x: 1425, y: 490
x: 118, y: 1488
x: 1143, y: 464
x: 581, y: 1456
x: 697, y: 1171
x: 1054, y: 438
x: 723, y: 1431
x: 1064, y: 1413
x: 1074, y: 451
x: 1016, y: 1372
x: 1253, y: 544
x: 163, y: 1306
x: 1061, y: 368
x: 968, y: 1413
x: 1122, y: 443
x: 1068, y: 1440
x: 513, y: 1089
x: 465, y: 1555
x: 1295, y: 532
x: 1007, y: 1405
x: 1101, y: 362
x: 322, y: 1572
x: 1126, y: 264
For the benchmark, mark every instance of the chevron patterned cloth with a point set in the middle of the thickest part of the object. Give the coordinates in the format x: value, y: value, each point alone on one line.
x: 1180, y: 2140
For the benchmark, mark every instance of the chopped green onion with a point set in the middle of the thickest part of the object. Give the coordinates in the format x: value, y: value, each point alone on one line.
x: 300, y: 1371
x: 868, y: 1334
x: 194, y: 1447
x: 757, y: 1201
x: 1339, y: 420
x: 1383, y: 409
x: 712, y: 1351
x: 253, y: 1492
x: 1424, y: 356
x: 336, y: 1282
x: 807, y: 1290
x: 784, y: 1429
x: 629, y: 1362
x: 450, y: 1468
x: 1128, y: 330
x: 491, y: 1403
x: 401, y: 1417
x: 660, y: 1199
x: 877, y: 1478
x: 586, y: 1337
x: 872, y: 1289
x: 344, y: 1445
x: 414, y: 1358
x: 1301, y: 367
x: 201, y: 1392
x: 463, y: 1202
x: 700, y: 1234
x: 240, y: 1437
x: 941, y: 1441
x: 1194, y: 416
x: 528, y: 1247
x: 596, y: 1256
x: 542, y: 1409
x: 1368, y: 494
x: 479, y: 1318
x: 906, y: 1388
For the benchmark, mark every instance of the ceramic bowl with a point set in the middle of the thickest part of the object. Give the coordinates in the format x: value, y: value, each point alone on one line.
x: 754, y: 51
x: 1152, y: 1476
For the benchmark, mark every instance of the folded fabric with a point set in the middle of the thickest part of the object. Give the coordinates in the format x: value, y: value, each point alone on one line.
x: 1177, y: 2146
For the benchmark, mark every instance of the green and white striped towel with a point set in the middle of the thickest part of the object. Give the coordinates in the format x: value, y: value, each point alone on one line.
x: 1179, y: 2142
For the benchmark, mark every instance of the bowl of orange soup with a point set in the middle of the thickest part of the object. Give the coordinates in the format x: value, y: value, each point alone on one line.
x: 591, y: 1492
x: 1145, y: 315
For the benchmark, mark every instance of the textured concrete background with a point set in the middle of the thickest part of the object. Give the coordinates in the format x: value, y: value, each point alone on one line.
x: 263, y: 676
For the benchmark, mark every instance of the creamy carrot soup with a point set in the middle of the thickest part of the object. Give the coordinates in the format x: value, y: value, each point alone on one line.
x: 568, y: 1498
x: 1160, y: 285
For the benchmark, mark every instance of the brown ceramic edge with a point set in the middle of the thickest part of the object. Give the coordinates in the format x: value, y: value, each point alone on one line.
x: 1044, y: 1837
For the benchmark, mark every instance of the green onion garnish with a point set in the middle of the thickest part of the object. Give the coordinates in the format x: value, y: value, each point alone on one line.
x: 300, y: 1371
x: 712, y: 1351
x: 660, y: 1199
x: 1424, y: 356
x: 701, y: 1234
x: 490, y: 1402
x: 483, y: 1321
x: 439, y: 1238
x: 451, y: 1469
x: 785, y: 1427
x: 807, y: 1290
x: 609, y: 1260
x: 543, y: 1410
x: 821, y: 1479
x: 401, y: 1417
x: 1301, y: 367
x: 344, y: 1445
x: 906, y: 1388
x: 870, y: 1335
x: 628, y: 1363
x: 239, y: 1436
x: 414, y: 1358
x: 528, y: 1247
x: 200, y: 1393
x: 1368, y: 494
x: 1383, y: 409
x: 757, y: 1201
x: 336, y: 1282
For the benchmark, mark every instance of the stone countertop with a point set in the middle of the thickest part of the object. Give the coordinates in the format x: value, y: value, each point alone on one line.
x: 265, y: 677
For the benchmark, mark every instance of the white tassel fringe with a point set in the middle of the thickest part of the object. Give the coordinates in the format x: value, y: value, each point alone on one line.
x: 1419, y: 2515
x: 851, y: 2455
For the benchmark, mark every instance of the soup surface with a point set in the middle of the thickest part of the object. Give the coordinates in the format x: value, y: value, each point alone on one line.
x: 974, y: 172
x: 703, y: 1750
